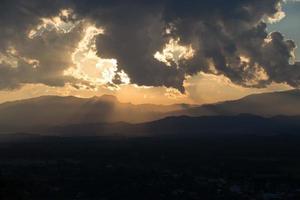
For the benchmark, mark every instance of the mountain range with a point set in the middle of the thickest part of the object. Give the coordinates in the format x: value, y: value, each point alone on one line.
x: 184, y: 126
x: 47, y: 111
x: 60, y: 114
x: 264, y: 104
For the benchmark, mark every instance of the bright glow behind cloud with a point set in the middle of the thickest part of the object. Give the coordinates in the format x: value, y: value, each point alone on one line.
x: 173, y: 52
x: 64, y: 23
x: 88, y: 65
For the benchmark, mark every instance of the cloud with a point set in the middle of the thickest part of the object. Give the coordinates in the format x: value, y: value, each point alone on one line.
x: 220, y: 33
x: 226, y: 38
x: 39, y: 41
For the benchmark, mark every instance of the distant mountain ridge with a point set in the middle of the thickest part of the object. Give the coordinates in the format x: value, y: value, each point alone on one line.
x: 265, y: 104
x: 184, y: 126
x: 58, y: 110
x: 54, y: 111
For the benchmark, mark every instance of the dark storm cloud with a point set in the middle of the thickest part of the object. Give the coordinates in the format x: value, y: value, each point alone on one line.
x: 41, y: 59
x: 219, y: 31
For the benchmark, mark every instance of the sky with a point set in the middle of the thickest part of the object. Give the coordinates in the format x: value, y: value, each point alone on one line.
x: 290, y: 25
x: 164, y: 52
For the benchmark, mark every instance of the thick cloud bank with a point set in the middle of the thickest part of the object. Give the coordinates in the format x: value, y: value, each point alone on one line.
x: 227, y: 37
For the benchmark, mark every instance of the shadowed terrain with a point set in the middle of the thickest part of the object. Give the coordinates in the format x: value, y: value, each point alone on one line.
x: 48, y: 111
x: 265, y: 104
x: 93, y: 155
x: 243, y: 124
x: 233, y: 167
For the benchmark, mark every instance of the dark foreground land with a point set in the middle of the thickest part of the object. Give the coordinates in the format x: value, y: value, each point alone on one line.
x: 223, y: 167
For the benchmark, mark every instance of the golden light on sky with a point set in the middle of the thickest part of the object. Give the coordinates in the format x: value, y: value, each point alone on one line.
x: 217, y: 88
x: 88, y: 65
x: 55, y: 23
x: 97, y: 74
x: 174, y: 52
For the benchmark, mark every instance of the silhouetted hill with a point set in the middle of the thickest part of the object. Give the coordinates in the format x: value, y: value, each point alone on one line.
x: 49, y: 111
x: 184, y: 126
x: 53, y: 111
x: 265, y: 104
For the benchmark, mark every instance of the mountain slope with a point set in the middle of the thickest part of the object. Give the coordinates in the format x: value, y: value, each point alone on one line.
x: 55, y: 110
x: 49, y: 111
x: 186, y: 127
x: 265, y: 104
